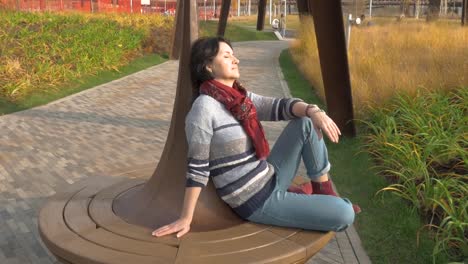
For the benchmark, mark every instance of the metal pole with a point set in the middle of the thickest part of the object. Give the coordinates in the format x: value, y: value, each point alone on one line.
x: 250, y: 2
x: 223, y: 16
x: 261, y: 15
x: 271, y: 2
x: 238, y: 7
x: 205, y: 9
x: 370, y: 9
x: 348, y: 35
x: 284, y: 26
x: 285, y: 11
x: 165, y: 6
x: 131, y: 6
x: 329, y: 32
x: 464, y: 17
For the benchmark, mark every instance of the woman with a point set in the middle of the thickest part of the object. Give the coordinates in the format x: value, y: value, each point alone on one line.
x: 227, y: 143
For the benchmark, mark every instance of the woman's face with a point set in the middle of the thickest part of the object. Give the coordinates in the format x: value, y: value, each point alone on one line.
x: 224, y: 66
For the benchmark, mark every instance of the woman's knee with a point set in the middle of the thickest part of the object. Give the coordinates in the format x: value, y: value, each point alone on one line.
x: 302, y: 123
x: 345, y: 218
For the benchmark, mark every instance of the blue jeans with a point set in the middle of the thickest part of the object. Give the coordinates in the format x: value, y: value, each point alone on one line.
x: 313, y: 212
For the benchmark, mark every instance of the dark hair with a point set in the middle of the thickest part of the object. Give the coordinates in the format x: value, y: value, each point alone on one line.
x: 204, y: 50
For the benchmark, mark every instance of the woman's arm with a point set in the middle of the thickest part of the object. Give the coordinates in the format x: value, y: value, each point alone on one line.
x: 320, y: 120
x: 198, y: 133
x: 273, y: 109
x: 182, y: 225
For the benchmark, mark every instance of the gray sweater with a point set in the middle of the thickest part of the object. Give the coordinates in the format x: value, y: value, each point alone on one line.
x: 219, y: 147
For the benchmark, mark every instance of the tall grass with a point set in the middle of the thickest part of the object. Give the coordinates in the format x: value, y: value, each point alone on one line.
x: 420, y: 144
x: 395, y: 56
x: 410, y: 79
x: 40, y: 51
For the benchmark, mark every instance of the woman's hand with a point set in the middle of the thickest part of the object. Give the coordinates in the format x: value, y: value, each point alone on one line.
x: 324, y: 123
x: 182, y: 226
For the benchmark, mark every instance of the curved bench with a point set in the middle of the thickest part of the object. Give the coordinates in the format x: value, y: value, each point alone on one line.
x: 79, y: 226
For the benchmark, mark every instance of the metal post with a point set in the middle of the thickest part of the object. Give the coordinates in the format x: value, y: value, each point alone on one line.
x: 464, y: 17
x: 348, y: 32
x: 223, y: 16
x: 284, y: 26
x: 285, y: 10
x: 238, y: 7
x: 370, y: 9
x: 205, y: 9
x: 250, y: 2
x: 331, y: 43
x: 261, y: 14
x: 271, y: 2
x: 131, y: 6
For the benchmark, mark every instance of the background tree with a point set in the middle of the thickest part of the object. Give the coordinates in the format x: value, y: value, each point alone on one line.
x: 433, y: 10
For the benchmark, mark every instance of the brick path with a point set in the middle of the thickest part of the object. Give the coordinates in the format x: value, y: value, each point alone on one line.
x: 109, y: 128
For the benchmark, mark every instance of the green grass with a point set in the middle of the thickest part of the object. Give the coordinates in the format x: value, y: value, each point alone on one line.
x: 420, y: 143
x: 235, y: 32
x: 387, y: 226
x: 75, y: 86
x: 38, y: 97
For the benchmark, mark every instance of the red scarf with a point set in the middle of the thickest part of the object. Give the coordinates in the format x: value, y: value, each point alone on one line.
x: 241, y: 107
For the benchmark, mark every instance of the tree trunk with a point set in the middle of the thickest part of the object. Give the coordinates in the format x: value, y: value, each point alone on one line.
x: 433, y: 10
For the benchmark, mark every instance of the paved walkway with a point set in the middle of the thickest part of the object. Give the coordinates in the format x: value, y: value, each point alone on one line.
x: 109, y: 128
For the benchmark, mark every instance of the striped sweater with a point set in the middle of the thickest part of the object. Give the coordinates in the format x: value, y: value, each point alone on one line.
x: 219, y: 147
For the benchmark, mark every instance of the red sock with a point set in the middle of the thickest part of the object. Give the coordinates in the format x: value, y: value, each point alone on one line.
x: 323, y: 188
x: 327, y: 189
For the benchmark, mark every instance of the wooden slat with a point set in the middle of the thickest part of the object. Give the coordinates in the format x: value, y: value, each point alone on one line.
x: 312, y: 241
x: 263, y: 247
x: 100, y: 210
x: 77, y: 218
x: 66, y: 244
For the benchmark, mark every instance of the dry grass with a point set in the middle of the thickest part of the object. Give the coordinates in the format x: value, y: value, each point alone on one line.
x: 385, y: 59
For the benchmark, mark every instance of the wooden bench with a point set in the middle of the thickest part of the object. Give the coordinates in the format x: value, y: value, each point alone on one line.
x: 79, y: 226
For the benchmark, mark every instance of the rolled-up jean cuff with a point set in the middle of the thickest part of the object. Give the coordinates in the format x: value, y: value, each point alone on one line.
x: 321, y: 172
